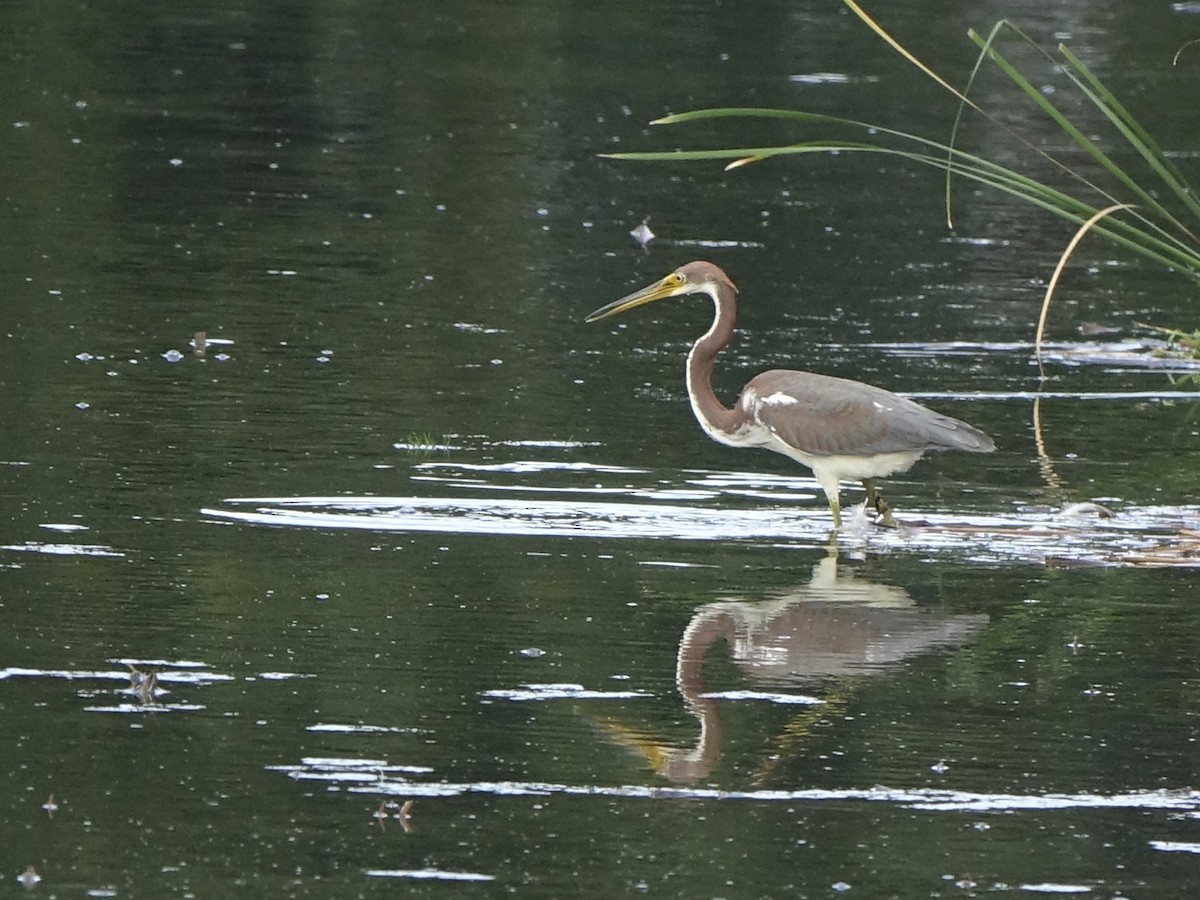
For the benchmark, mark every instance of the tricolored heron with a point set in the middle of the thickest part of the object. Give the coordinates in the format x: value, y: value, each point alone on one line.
x: 843, y: 430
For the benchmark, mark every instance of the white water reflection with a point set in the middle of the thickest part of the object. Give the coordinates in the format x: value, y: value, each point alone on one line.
x: 145, y: 708
x: 187, y: 676
x: 62, y: 549
x: 1130, y: 353
x: 370, y: 776
x: 142, y: 692
x: 527, y: 692
x: 1053, y: 887
x: 336, y: 728
x: 1145, y: 536
x: 559, y: 518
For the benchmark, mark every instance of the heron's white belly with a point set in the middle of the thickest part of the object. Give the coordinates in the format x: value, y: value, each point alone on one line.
x: 847, y: 468
x: 828, y: 470
x: 840, y: 468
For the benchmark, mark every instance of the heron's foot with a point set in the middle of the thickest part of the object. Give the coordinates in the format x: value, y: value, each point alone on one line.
x: 875, y: 501
x: 884, y: 513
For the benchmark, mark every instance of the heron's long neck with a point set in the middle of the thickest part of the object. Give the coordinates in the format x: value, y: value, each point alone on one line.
x: 712, y: 413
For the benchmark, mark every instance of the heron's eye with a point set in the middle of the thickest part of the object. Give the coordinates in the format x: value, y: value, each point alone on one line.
x: 676, y: 279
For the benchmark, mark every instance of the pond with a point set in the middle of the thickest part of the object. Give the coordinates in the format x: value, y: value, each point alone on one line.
x: 340, y: 557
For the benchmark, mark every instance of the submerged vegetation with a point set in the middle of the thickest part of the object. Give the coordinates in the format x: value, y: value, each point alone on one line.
x: 423, y: 445
x: 1182, y: 342
x: 1147, y: 207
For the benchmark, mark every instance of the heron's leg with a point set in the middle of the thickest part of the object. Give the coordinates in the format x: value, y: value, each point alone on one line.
x: 830, y: 485
x: 876, y: 502
x: 835, y: 507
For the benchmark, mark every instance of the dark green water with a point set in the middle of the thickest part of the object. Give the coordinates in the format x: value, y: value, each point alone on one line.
x: 410, y: 530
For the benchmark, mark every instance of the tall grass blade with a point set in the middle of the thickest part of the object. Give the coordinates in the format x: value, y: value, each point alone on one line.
x: 1147, y: 227
x: 899, y: 48
x: 1134, y: 133
x: 1077, y: 136
x: 958, y: 117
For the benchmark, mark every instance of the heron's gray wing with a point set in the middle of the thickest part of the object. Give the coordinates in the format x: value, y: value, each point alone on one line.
x: 825, y: 416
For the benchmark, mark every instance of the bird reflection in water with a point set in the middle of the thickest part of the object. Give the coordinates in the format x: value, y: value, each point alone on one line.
x: 837, y: 626
x: 402, y: 813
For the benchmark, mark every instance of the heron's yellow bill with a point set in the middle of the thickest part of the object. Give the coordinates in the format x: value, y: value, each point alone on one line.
x: 670, y: 286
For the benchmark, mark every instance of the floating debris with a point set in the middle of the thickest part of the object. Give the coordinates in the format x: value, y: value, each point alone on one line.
x: 642, y: 234
x: 1088, y: 509
x: 200, y: 343
x: 50, y: 806
x: 1097, y: 329
x: 29, y: 878
x: 144, y: 685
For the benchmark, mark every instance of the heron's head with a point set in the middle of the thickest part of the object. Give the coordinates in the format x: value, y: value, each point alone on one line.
x: 695, y: 278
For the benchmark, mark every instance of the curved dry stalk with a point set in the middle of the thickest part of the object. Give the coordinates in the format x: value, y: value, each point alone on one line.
x: 1058, y: 270
x: 1175, y: 58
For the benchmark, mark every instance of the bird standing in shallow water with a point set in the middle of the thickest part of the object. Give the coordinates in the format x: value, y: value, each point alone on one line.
x: 843, y: 430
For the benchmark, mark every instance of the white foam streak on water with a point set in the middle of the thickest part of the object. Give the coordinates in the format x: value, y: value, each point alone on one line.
x: 1131, y: 354
x: 343, y: 762
x: 1050, y: 887
x: 138, y: 709
x: 355, y: 773
x: 1052, y: 395
x: 350, y: 767
x: 112, y: 675
x: 560, y: 692
x: 1136, y: 536
x: 930, y: 800
x: 173, y: 663
x: 695, y: 505
x: 337, y: 728
x: 527, y: 466
x: 436, y: 874
x: 560, y: 518
x: 765, y: 696
x: 665, y: 494
x: 62, y: 549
